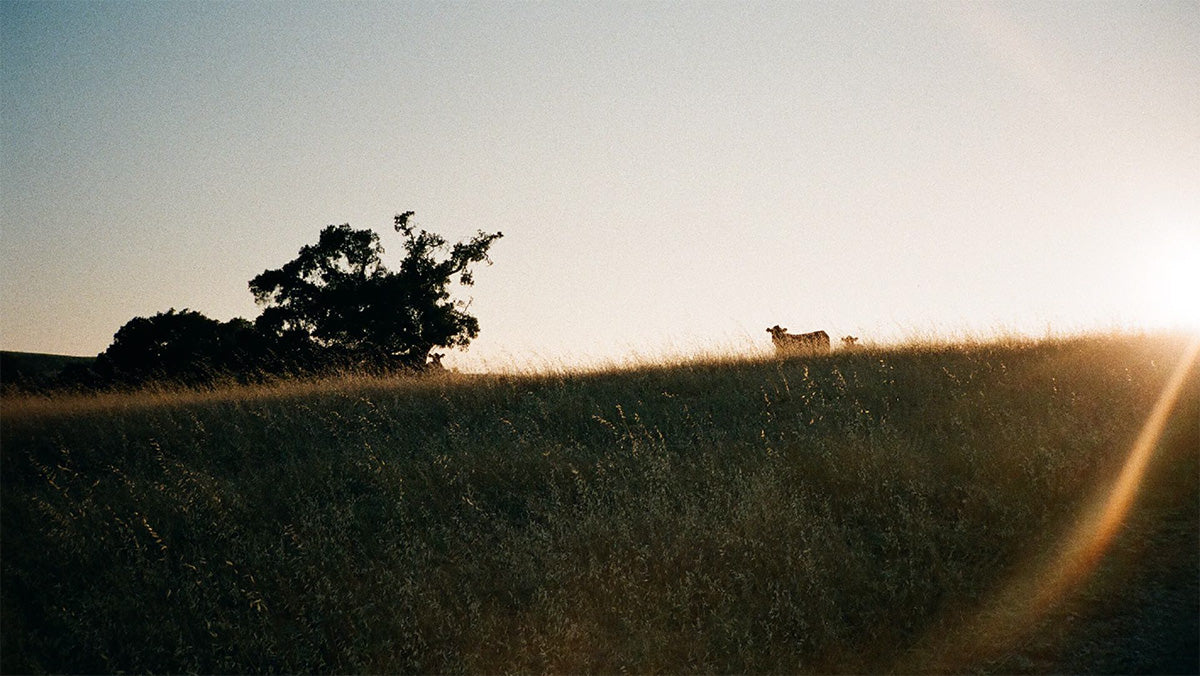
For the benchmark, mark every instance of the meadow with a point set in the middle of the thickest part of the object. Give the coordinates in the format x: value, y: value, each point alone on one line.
x: 918, y: 508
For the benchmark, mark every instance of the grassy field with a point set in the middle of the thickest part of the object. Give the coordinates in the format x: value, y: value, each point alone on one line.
x: 929, y: 508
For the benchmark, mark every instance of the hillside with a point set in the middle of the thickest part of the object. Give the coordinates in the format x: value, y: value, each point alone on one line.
x: 32, y: 369
x: 919, y: 509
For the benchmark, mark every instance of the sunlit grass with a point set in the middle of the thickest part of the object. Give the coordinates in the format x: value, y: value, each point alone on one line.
x: 728, y: 511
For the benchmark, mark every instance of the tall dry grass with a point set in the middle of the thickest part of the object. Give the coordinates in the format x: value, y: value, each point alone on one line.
x: 834, y: 513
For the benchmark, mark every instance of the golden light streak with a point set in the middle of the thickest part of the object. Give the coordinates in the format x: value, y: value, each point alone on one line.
x: 1093, y: 535
x: 1021, y: 603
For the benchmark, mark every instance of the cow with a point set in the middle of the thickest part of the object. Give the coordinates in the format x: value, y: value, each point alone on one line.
x: 849, y: 342
x: 815, y: 342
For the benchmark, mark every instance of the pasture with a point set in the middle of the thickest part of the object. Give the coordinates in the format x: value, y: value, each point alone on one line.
x: 923, y: 508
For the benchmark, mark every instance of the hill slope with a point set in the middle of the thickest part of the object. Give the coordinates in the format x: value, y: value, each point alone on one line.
x: 853, y: 512
x: 32, y: 369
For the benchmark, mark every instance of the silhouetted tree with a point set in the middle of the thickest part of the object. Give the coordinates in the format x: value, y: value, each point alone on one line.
x: 181, y: 346
x: 337, y: 304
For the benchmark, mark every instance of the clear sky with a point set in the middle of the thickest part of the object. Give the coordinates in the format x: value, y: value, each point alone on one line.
x: 669, y: 176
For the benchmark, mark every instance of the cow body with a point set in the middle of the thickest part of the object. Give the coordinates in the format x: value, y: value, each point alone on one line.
x: 793, y: 343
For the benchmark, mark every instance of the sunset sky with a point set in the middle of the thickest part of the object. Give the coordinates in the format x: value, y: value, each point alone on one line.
x: 670, y: 177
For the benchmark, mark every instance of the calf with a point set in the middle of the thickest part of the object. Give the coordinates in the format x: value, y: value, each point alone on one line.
x: 817, y: 341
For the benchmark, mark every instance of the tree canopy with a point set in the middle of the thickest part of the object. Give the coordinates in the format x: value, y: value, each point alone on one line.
x: 336, y: 305
x: 180, y: 346
x: 338, y: 301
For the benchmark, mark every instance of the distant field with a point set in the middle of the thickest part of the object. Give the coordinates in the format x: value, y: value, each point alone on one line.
x: 926, y: 508
x: 35, y: 363
x: 33, y: 369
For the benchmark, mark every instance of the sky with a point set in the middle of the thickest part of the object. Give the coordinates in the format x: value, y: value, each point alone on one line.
x: 670, y: 177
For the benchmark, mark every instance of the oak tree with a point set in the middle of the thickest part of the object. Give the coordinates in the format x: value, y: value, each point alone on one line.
x: 337, y: 303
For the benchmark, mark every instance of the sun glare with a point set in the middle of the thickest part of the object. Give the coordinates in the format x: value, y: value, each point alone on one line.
x: 1175, y: 282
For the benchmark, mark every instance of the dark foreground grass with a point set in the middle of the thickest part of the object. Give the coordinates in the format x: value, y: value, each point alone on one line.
x: 863, y: 512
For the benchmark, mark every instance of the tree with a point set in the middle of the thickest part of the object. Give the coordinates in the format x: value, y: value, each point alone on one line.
x: 181, y: 346
x: 338, y: 304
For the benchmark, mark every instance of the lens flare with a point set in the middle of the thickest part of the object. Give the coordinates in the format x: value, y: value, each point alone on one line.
x: 1025, y: 599
x: 1095, y: 532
